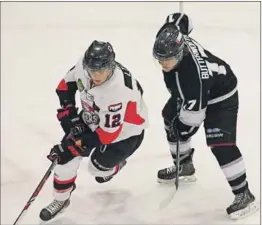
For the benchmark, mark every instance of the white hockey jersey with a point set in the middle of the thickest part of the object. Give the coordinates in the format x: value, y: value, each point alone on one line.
x: 118, y: 103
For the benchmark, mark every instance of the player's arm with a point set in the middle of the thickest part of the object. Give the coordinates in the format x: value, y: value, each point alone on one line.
x: 66, y: 91
x: 67, y: 88
x: 191, y: 110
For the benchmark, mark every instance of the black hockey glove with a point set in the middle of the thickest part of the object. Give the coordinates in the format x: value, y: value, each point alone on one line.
x: 77, y: 127
x: 71, y: 121
x: 65, y: 115
x: 178, y: 131
x: 170, y: 114
x: 67, y: 150
x: 80, y: 124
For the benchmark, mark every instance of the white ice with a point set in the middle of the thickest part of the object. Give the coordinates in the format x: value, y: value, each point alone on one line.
x: 41, y: 41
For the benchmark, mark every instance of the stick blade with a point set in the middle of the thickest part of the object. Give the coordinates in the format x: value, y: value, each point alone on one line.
x: 168, y: 199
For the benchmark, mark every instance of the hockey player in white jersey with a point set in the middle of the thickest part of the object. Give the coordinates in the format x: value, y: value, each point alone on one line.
x: 110, y: 126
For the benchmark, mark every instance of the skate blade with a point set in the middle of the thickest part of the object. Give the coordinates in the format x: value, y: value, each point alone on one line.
x: 188, y: 179
x: 182, y: 180
x: 249, y: 210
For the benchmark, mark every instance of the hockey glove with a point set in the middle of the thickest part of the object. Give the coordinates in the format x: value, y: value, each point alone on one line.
x: 83, y: 123
x: 65, y: 115
x: 77, y: 127
x: 178, y: 131
x: 67, y: 150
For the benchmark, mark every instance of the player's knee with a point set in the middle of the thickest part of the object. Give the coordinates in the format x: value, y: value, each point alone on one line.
x: 69, y: 169
x: 98, y: 170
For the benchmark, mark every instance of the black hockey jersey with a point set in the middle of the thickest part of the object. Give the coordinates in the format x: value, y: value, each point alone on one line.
x: 201, y: 79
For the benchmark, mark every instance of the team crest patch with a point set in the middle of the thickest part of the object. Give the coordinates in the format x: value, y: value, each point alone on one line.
x: 80, y: 85
x: 115, y: 107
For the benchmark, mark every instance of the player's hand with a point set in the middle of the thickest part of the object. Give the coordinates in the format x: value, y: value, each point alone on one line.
x: 67, y: 150
x: 65, y: 115
x: 77, y: 127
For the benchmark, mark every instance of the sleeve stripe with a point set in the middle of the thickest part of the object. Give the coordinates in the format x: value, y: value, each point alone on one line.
x: 69, y: 181
x: 62, y: 86
x: 199, y: 74
x: 179, y: 87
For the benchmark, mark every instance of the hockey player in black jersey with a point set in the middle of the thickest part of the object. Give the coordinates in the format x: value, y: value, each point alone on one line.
x: 205, y: 88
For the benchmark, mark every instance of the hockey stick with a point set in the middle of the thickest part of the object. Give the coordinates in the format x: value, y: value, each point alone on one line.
x: 36, y: 192
x: 169, y: 198
x: 178, y: 107
x: 181, y: 6
x: 177, y: 162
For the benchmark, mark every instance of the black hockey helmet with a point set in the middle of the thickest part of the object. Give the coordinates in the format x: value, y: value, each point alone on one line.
x: 169, y: 43
x: 99, y: 55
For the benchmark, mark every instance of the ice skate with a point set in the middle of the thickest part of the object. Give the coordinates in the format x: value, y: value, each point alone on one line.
x: 54, y: 208
x: 186, y: 171
x: 108, y: 178
x: 243, y: 206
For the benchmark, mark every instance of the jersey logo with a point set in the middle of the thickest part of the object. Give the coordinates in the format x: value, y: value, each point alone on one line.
x: 115, y: 107
x: 80, y: 85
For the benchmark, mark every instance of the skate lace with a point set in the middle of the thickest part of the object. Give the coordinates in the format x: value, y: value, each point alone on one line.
x: 171, y: 169
x: 55, y: 206
x: 239, y: 198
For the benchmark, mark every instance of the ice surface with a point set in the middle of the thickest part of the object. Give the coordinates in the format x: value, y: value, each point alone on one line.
x: 41, y: 41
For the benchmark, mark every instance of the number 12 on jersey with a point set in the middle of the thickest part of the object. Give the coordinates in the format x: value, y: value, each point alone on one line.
x: 112, y: 120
